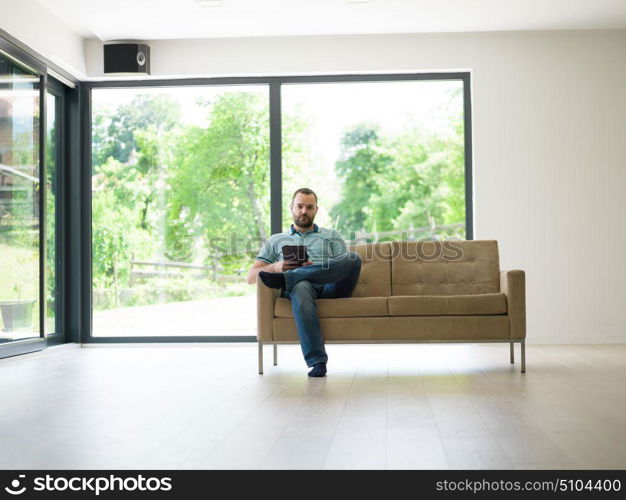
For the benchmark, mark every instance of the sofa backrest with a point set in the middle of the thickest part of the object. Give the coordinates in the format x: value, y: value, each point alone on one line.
x: 375, y: 277
x: 447, y: 267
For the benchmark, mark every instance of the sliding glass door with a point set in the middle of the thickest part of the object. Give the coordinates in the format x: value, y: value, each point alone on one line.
x: 55, y: 166
x: 20, y: 199
x: 31, y: 164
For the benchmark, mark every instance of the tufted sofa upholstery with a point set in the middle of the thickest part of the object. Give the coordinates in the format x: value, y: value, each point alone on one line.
x: 425, y: 291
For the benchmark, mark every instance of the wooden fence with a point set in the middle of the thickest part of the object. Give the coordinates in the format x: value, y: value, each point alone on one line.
x: 140, y: 269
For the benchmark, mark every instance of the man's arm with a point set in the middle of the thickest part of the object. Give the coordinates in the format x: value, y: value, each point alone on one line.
x: 275, y: 267
x: 258, y: 266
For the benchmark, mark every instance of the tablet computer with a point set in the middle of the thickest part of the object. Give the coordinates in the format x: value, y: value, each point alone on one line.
x: 295, y: 252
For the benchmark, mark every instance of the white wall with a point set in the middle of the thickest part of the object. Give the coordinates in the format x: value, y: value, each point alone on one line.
x: 38, y: 28
x: 549, y: 125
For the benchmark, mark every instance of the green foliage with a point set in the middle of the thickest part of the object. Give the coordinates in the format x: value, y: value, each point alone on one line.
x: 24, y: 150
x: 220, y: 180
x: 198, y: 194
x: 363, y: 162
x: 51, y: 234
x: 128, y: 169
x: 110, y: 243
x: 299, y: 162
x: 393, y: 183
x: 19, y: 272
x: 115, y: 134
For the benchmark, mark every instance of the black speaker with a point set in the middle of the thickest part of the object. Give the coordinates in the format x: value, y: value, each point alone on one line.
x: 127, y: 58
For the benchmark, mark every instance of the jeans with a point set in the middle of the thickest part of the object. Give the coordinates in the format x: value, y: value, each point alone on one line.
x: 334, y: 279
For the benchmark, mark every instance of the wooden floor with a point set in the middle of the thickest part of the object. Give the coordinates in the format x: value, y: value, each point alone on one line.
x: 428, y: 406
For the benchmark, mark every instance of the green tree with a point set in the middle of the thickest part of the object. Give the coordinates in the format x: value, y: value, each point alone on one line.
x: 393, y: 183
x: 128, y: 159
x: 362, y: 160
x: 452, y: 148
x: 115, y: 134
x: 110, y: 240
x: 220, y: 185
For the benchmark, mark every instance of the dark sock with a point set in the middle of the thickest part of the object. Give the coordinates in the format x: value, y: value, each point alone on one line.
x: 273, y: 280
x: 319, y: 370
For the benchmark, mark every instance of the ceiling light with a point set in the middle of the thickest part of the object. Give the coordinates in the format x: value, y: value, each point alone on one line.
x: 360, y: 1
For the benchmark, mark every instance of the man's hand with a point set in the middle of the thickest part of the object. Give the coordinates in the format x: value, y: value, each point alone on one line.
x: 275, y: 267
x: 282, y: 266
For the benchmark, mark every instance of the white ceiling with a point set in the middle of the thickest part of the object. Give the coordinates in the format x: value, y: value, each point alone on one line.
x: 167, y: 19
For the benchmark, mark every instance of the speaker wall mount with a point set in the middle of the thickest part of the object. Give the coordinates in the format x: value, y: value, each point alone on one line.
x: 126, y: 58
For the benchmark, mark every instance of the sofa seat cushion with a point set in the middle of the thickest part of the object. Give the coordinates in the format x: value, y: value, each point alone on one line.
x: 447, y: 305
x: 338, y: 308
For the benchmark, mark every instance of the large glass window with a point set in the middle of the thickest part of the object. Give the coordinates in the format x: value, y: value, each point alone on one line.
x: 180, y: 207
x: 53, y: 156
x: 19, y: 201
x: 385, y: 158
x: 181, y: 188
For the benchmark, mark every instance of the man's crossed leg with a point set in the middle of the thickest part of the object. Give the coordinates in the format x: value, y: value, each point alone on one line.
x: 334, y: 279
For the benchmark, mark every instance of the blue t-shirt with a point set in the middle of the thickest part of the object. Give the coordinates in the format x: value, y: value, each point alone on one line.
x: 321, y: 244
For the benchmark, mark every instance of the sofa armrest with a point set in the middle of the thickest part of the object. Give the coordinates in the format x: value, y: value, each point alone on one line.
x: 265, y: 301
x: 513, y: 285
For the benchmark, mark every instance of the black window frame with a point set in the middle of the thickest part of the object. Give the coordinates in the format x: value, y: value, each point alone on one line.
x: 26, y: 57
x: 59, y: 91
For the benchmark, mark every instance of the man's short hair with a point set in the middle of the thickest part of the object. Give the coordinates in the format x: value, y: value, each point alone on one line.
x: 303, y: 191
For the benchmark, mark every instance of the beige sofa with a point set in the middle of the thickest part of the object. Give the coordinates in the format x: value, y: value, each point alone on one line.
x: 426, y: 291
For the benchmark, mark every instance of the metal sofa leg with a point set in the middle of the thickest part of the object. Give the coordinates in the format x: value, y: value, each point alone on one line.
x: 523, y: 345
x: 260, y: 358
x: 275, y: 354
x: 512, y: 344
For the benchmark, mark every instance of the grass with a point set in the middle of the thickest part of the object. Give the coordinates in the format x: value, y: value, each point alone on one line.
x: 19, y: 266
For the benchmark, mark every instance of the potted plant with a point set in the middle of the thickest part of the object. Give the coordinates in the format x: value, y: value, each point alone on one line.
x: 19, y: 313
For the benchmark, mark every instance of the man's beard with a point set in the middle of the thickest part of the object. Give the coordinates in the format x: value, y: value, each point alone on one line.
x: 302, y: 222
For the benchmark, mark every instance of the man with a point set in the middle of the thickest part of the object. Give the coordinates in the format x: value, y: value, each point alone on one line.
x: 332, y: 272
